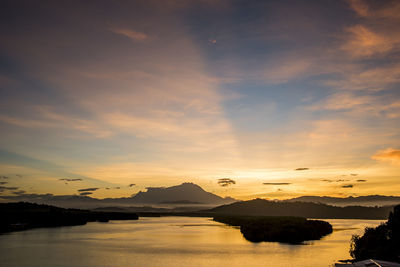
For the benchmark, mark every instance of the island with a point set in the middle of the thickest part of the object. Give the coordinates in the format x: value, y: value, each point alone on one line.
x: 285, y: 229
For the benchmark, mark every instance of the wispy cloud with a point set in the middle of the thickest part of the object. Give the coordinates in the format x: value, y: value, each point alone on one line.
x: 131, y: 34
x: 363, y: 42
x: 46, y: 117
x: 390, y: 10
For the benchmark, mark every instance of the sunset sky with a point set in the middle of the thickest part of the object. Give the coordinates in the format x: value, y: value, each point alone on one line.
x: 286, y: 98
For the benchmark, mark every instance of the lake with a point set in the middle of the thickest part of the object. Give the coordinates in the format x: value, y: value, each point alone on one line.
x: 168, y: 241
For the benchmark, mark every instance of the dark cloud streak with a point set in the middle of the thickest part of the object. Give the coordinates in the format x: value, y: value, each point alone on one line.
x: 277, y: 183
x: 302, y: 169
x: 8, y: 188
x: 88, y: 189
x: 71, y: 179
x: 226, y: 182
x: 348, y: 186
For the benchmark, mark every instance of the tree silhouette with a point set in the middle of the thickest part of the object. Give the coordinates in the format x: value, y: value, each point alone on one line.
x: 381, y: 242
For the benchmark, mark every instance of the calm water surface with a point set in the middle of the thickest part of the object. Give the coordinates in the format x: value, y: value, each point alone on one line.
x: 168, y: 241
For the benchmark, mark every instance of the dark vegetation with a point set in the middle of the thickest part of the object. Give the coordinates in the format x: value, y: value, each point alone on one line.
x: 292, y: 230
x: 20, y: 216
x: 261, y: 207
x: 382, y: 242
x: 23, y: 216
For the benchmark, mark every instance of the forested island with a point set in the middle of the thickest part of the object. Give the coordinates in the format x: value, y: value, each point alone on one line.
x: 293, y: 230
x: 23, y: 216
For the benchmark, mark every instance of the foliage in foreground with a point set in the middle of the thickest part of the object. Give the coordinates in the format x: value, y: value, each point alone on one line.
x: 382, y: 242
x: 279, y: 229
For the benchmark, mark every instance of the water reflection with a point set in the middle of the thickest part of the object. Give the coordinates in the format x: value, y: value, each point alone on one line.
x: 168, y: 241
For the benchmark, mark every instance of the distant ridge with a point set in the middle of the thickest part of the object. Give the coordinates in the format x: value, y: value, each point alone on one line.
x: 262, y: 207
x: 371, y: 200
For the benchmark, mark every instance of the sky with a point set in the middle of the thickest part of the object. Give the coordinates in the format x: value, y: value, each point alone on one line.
x: 279, y: 98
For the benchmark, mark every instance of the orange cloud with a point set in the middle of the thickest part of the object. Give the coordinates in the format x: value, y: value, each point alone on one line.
x: 390, y: 10
x: 378, y: 32
x: 360, y: 7
x: 133, y: 35
x: 365, y: 42
x: 391, y: 155
x: 360, y: 104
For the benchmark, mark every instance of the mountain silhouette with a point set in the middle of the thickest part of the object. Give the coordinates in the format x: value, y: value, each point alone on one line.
x: 183, y: 193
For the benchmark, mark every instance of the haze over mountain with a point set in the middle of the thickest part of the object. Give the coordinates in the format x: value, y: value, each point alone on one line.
x: 371, y: 200
x: 183, y: 194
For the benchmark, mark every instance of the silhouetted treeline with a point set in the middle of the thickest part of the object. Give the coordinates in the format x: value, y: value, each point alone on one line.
x: 381, y: 242
x: 261, y: 207
x: 292, y: 230
x: 22, y: 216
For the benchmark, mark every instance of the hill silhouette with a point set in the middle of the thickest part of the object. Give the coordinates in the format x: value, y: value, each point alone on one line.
x: 23, y: 216
x: 371, y: 200
x: 261, y: 207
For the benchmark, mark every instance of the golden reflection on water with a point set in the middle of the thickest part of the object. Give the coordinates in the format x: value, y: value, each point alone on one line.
x: 169, y: 241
